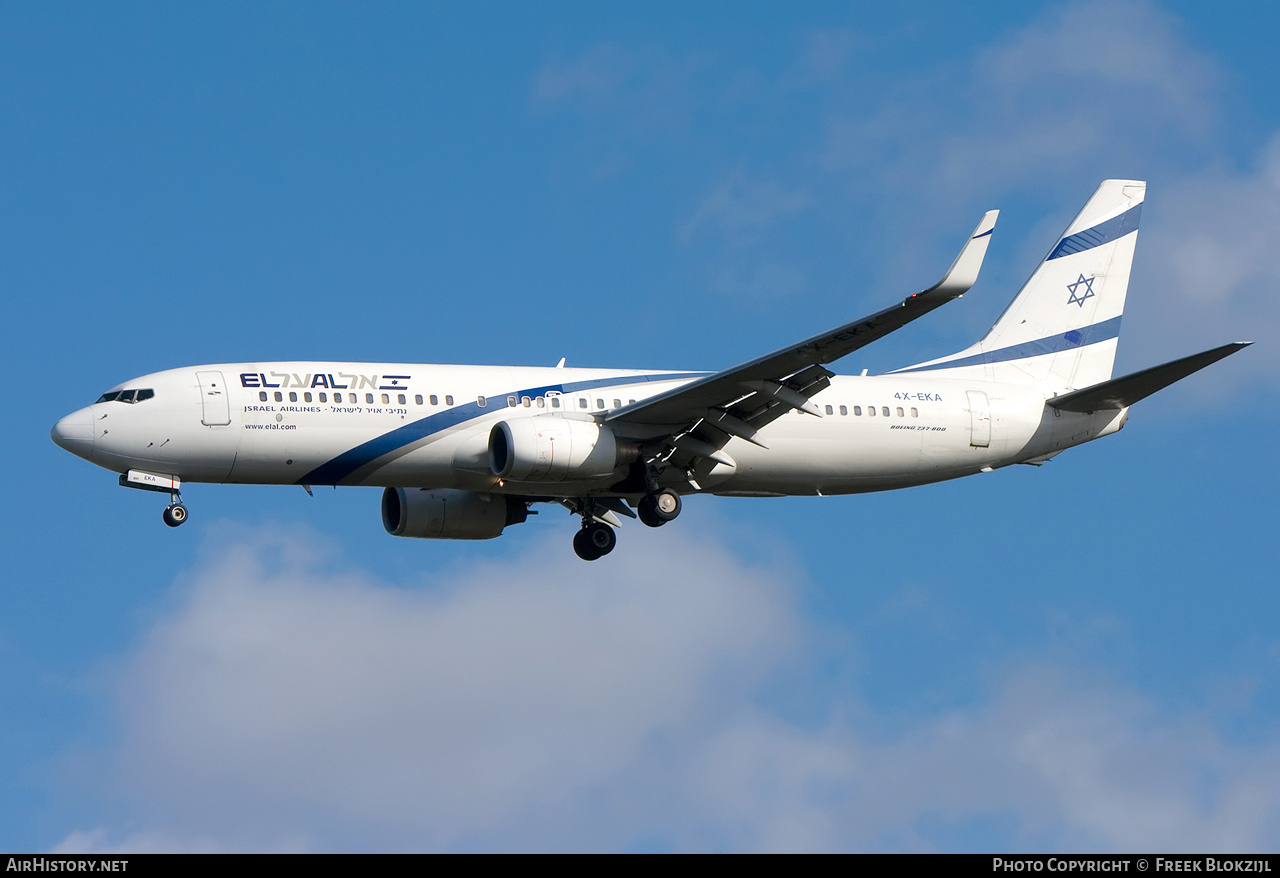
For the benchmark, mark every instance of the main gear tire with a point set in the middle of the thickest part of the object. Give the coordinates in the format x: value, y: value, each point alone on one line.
x: 657, y: 509
x: 594, y: 541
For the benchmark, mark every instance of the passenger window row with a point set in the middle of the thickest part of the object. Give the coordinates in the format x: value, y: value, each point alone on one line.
x: 871, y: 411
x: 554, y: 402
x: 354, y: 398
x: 370, y: 399
x: 132, y: 396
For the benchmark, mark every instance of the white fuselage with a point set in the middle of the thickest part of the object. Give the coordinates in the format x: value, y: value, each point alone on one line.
x: 429, y: 426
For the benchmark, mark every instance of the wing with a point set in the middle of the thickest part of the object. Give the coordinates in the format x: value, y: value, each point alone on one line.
x: 695, y: 421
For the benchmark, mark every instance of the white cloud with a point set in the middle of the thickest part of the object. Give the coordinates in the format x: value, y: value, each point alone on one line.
x: 492, y: 699
x: 597, y: 75
x: 737, y: 219
x: 741, y: 209
x: 1211, y: 267
x: 637, y: 93
x: 1107, y: 85
x: 1086, y: 91
x: 543, y: 703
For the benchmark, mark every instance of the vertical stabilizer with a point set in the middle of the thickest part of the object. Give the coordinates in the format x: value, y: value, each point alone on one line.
x: 1062, y: 329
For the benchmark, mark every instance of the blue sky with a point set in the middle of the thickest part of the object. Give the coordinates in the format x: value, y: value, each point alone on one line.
x: 1080, y: 656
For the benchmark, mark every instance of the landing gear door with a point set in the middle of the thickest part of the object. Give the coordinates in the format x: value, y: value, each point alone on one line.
x: 216, y: 410
x: 979, y: 419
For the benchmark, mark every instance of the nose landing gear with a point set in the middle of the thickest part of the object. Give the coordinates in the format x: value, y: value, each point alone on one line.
x: 175, y: 513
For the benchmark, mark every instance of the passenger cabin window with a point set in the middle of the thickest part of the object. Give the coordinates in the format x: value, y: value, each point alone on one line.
x: 830, y: 410
x: 306, y: 397
x: 480, y: 401
x: 279, y: 396
x: 417, y: 399
x: 901, y: 413
x: 844, y: 410
x: 434, y: 400
x: 385, y: 399
x: 555, y: 402
x: 884, y: 410
x: 400, y: 399
x: 617, y: 403
x: 324, y: 397
x: 582, y: 402
x: 262, y: 396
x: 871, y: 411
x: 448, y: 400
x: 915, y: 412
x: 293, y: 396
x: 368, y: 399
x: 512, y: 402
x: 337, y: 397
x: 857, y: 411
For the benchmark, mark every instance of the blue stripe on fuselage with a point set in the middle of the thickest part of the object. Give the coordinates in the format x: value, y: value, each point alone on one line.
x: 334, y: 471
x: 1076, y: 338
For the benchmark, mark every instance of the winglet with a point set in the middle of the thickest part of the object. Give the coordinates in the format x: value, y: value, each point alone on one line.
x: 963, y: 273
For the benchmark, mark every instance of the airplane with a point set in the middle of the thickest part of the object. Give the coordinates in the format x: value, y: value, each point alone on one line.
x: 462, y: 452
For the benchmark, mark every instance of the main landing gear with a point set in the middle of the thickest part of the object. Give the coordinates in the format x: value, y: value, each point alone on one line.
x: 658, y: 508
x: 595, y: 538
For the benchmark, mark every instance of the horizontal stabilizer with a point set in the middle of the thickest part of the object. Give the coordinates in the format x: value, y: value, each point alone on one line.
x: 1125, y: 391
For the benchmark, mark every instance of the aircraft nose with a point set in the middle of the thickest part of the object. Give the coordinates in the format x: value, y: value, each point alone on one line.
x: 74, y: 433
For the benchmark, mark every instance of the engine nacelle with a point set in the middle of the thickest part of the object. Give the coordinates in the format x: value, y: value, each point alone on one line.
x: 447, y: 514
x: 549, y: 448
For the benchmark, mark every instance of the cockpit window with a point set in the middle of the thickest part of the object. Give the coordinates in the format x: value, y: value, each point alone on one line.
x: 129, y: 396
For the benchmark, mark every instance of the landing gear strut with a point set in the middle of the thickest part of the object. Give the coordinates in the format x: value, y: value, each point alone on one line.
x: 176, y: 513
x: 595, y: 540
x: 658, y: 508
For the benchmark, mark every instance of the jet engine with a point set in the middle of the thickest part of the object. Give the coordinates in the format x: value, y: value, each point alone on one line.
x: 447, y: 514
x: 547, y: 448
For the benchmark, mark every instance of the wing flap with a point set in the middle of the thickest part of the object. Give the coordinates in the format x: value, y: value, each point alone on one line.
x: 1128, y: 389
